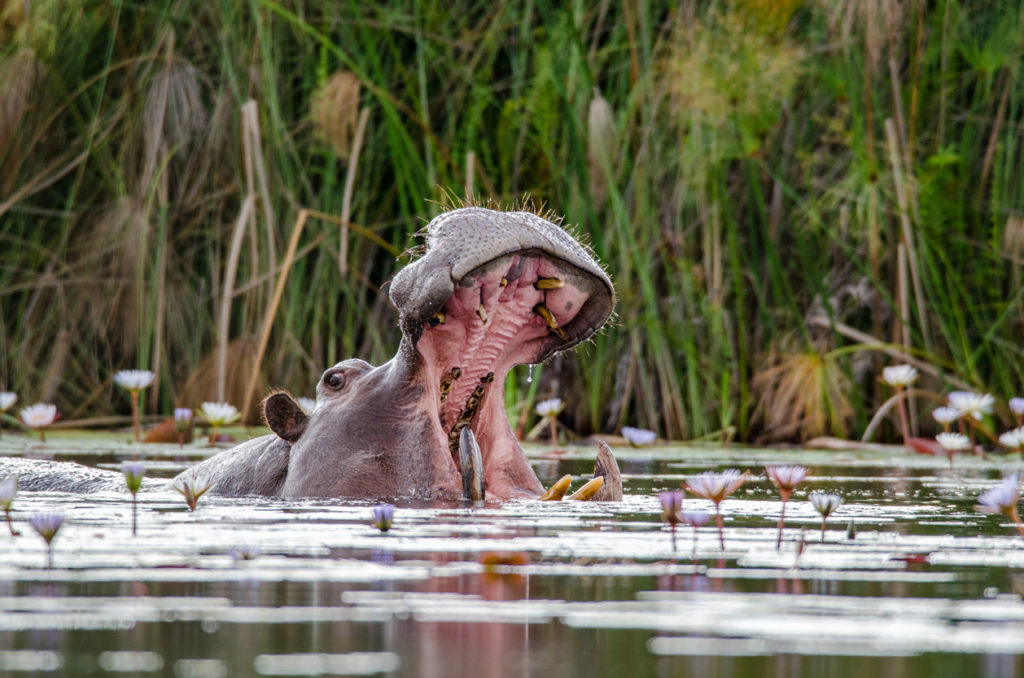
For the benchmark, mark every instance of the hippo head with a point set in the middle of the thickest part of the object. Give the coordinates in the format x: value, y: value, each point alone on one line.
x: 492, y: 290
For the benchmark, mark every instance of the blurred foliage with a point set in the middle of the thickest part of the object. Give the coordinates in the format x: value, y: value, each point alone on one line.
x: 780, y: 189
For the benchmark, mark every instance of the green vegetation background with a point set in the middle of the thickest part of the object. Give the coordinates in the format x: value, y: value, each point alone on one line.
x: 789, y: 194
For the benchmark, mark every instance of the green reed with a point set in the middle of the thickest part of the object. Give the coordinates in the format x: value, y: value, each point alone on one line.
x: 743, y: 195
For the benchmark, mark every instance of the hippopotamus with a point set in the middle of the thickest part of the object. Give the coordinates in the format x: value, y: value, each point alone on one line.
x: 491, y: 290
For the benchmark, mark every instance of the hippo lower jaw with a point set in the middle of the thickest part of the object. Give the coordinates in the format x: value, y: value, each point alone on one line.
x: 507, y: 312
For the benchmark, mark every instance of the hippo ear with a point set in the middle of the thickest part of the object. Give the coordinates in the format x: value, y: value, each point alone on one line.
x: 285, y: 417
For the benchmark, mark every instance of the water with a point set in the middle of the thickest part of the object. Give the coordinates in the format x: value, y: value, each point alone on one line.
x: 266, y: 587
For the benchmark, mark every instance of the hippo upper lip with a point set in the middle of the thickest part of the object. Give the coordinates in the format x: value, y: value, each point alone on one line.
x: 465, y: 243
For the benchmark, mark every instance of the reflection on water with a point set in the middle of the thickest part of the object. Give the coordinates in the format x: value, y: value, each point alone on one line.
x: 926, y: 586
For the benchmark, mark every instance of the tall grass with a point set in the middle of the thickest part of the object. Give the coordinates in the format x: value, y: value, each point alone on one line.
x: 749, y: 170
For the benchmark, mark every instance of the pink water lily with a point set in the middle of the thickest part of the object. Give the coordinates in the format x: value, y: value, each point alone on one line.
x: 785, y: 479
x: 1003, y: 499
x: 716, y: 487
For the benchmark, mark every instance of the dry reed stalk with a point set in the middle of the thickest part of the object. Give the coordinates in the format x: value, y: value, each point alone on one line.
x: 227, y: 293
x: 350, y: 183
x: 904, y: 299
x: 997, y: 127
x: 876, y: 344
x: 335, y: 109
x: 600, y: 146
x: 902, y: 329
x: 252, y: 128
x: 897, y: 104
x: 908, y: 235
x: 882, y: 411
x: 268, y: 317
x: 470, y: 167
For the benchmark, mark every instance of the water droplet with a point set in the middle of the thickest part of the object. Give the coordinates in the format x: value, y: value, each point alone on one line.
x: 529, y: 374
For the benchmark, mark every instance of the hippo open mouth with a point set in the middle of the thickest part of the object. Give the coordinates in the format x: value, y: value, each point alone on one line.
x: 491, y: 290
x: 472, y: 316
x: 513, y: 310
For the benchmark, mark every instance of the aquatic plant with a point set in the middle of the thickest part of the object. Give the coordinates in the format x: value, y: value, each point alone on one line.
x: 1016, y: 406
x: 671, y: 503
x: 945, y: 416
x: 7, y: 399
x: 696, y: 520
x: 716, y: 487
x: 217, y: 415
x: 8, y: 489
x: 638, y: 437
x: 190, y: 490
x: 47, y: 525
x: 1014, y: 440
x: 182, y: 423
x: 785, y: 479
x: 383, y: 515
x: 134, y: 381
x: 801, y: 152
x: 39, y: 416
x: 900, y: 377
x: 133, y: 472
x: 549, y: 410
x: 1003, y: 499
x: 969, y: 403
x: 972, y: 407
x: 825, y: 504
x: 953, y: 442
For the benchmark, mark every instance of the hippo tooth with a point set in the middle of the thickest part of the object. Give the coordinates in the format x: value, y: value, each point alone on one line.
x: 482, y: 312
x: 558, y: 490
x: 474, y: 486
x: 549, y: 317
x: 436, y: 319
x: 549, y: 284
x: 587, y: 491
x: 504, y: 282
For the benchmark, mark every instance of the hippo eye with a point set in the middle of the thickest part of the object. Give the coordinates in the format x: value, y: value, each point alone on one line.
x: 335, y: 380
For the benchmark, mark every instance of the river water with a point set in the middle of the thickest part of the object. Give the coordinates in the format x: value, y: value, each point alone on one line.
x: 910, y: 581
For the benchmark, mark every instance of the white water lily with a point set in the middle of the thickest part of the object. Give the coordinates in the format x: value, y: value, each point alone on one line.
x: 308, y: 404
x: 550, y: 407
x: 946, y: 415
x: 825, y: 503
x: 1016, y: 406
x: 1013, y: 439
x: 134, y: 380
x: 1002, y: 498
x: 953, y: 442
x: 638, y: 437
x: 219, y: 414
x: 975, y: 404
x: 899, y: 375
x: 39, y: 415
x: 7, y: 399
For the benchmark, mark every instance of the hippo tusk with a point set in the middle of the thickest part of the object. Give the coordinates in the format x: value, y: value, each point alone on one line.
x: 588, y: 491
x: 474, y: 487
x: 558, y: 490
